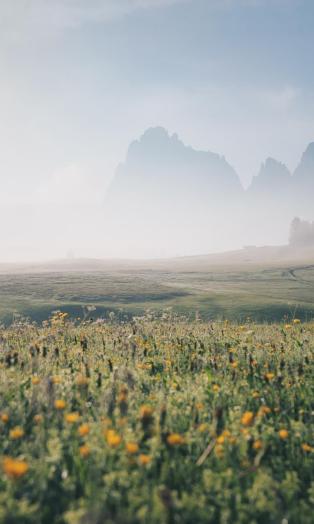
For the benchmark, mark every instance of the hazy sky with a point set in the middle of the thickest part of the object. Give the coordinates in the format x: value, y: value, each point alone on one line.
x: 80, y: 79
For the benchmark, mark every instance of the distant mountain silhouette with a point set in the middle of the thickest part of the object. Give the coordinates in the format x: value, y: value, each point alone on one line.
x: 182, y: 197
x: 304, y: 173
x: 273, y: 179
x: 281, y: 194
x: 303, y: 185
x: 161, y: 167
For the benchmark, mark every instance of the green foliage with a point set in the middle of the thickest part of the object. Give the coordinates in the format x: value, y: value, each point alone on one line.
x: 234, y: 291
x: 156, y: 421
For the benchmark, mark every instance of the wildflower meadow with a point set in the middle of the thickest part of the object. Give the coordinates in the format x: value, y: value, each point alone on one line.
x: 156, y: 420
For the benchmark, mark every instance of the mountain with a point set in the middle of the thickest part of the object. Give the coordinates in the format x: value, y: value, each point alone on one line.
x: 275, y: 197
x: 273, y: 179
x: 304, y: 173
x: 303, y: 184
x: 167, y: 196
x: 275, y: 183
x: 160, y: 167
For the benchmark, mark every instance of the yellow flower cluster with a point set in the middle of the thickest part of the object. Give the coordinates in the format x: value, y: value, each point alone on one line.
x: 247, y: 418
x: 16, y: 433
x: 14, y: 468
x: 175, y: 439
x: 113, y: 438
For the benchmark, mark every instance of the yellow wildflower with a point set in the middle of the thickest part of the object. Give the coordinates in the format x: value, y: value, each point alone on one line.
x: 83, y: 430
x: 146, y: 411
x: 257, y: 444
x: 16, y: 433
x: 263, y: 410
x: 175, y: 439
x: 113, y: 438
x: 56, y: 379
x: 84, y: 451
x: 132, y: 447
x: 306, y: 447
x: 14, y: 468
x: 144, y: 460
x: 59, y: 404
x: 247, y: 418
x: 73, y: 417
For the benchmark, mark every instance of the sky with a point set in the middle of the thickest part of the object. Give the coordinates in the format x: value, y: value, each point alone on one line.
x: 81, y: 79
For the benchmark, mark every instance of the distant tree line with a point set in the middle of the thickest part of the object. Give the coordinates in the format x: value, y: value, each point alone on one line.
x: 301, y: 233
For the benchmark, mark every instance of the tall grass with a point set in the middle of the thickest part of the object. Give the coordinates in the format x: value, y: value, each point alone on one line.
x: 156, y: 421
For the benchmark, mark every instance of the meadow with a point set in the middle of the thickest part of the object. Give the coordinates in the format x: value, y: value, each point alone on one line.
x: 265, y: 292
x: 156, y: 420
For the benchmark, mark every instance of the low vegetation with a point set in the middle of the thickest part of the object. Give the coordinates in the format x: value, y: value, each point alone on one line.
x: 156, y: 420
x: 265, y: 292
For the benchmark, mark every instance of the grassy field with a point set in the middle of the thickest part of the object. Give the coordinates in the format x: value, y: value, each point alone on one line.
x: 264, y: 292
x: 156, y: 421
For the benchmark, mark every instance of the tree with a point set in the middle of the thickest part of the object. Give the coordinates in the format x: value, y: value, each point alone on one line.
x: 301, y: 233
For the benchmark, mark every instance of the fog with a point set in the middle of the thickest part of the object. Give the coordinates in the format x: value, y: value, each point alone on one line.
x: 156, y: 128
x: 166, y: 199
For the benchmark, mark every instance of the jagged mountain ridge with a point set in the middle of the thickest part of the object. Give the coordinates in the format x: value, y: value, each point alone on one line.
x: 273, y: 178
x: 161, y: 166
x: 159, y: 157
x: 305, y: 170
x: 168, y: 193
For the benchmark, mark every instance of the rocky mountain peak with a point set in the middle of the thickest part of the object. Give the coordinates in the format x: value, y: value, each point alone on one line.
x: 273, y: 176
x: 306, y: 167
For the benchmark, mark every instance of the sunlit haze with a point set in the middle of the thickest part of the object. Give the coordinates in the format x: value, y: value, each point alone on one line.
x: 134, y: 128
